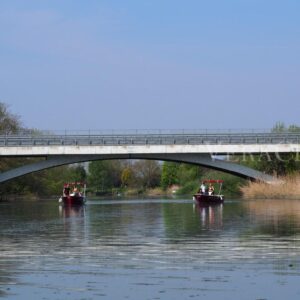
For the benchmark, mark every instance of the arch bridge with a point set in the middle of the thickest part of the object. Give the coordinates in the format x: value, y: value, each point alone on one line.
x: 208, y: 149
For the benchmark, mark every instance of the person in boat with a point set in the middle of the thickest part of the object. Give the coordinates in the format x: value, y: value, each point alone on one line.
x: 66, y: 191
x: 202, y: 188
x: 211, y: 189
x: 75, y: 191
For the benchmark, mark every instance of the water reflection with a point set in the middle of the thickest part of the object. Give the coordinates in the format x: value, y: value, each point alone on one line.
x: 275, y: 217
x: 71, y: 211
x: 211, y: 215
x: 107, y: 242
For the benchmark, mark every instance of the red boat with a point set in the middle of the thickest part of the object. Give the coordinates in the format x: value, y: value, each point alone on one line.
x: 207, y: 195
x: 73, y: 193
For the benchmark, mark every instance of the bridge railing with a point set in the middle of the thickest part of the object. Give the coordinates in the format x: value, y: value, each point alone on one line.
x: 132, y: 132
x: 43, y: 139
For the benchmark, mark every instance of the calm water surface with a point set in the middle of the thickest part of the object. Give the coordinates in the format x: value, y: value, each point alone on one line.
x: 150, y: 249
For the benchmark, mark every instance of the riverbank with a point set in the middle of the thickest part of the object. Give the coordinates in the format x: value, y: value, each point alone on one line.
x: 287, y: 188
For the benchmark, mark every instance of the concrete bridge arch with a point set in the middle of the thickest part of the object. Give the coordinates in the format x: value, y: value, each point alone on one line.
x: 204, y: 160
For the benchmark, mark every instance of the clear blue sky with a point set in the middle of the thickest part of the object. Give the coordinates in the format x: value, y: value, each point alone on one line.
x: 151, y: 64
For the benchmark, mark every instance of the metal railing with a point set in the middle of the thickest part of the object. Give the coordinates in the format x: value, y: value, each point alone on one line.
x: 113, y: 132
x: 162, y: 137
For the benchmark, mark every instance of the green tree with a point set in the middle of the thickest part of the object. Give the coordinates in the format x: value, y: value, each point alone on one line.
x: 147, y: 173
x: 278, y: 127
x: 188, y: 173
x: 9, y: 123
x: 127, y: 177
x: 78, y: 173
x: 169, y: 174
x: 104, y: 175
x: 281, y: 127
x: 279, y: 164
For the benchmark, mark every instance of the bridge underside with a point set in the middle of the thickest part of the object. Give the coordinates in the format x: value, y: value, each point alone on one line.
x: 204, y: 160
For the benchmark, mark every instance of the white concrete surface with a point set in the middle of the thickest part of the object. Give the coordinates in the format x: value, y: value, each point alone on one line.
x: 145, y: 149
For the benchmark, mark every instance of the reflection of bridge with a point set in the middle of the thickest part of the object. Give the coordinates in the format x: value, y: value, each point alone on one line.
x: 190, y: 147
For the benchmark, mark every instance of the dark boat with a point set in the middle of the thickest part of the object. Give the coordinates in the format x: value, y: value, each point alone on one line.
x: 208, y: 196
x: 73, y: 194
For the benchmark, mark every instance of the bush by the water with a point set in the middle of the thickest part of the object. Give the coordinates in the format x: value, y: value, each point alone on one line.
x: 286, y: 188
x: 189, y: 188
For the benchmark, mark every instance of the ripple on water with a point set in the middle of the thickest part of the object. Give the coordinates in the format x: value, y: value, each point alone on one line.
x: 166, y: 249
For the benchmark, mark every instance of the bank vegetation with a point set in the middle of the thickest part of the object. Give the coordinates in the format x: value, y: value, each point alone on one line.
x: 287, y: 187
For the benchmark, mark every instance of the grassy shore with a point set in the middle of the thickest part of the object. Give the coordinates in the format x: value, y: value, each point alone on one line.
x: 286, y: 188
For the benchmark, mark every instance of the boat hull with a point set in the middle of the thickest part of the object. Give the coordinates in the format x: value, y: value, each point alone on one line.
x: 72, y: 200
x: 202, y: 198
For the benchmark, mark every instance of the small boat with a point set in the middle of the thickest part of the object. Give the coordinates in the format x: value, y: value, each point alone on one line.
x: 73, y: 193
x: 205, y: 195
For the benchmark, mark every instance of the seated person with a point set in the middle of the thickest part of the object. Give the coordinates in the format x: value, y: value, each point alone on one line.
x: 211, y: 190
x: 66, y: 191
x: 75, y: 192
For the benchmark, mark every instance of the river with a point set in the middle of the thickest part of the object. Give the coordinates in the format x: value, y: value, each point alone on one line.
x: 150, y: 249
